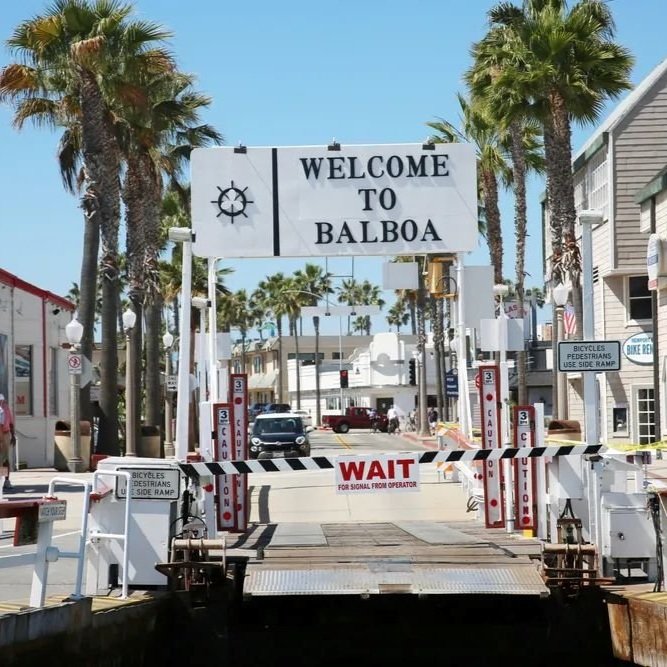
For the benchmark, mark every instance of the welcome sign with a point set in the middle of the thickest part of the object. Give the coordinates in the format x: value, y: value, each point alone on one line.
x: 309, y: 201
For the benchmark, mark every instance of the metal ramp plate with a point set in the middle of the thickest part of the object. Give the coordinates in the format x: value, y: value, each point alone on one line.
x: 515, y: 579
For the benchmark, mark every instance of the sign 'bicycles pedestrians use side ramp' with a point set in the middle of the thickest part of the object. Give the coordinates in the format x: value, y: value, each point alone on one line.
x: 309, y: 201
x: 594, y: 355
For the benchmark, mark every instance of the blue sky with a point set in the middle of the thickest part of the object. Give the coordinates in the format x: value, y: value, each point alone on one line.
x: 291, y: 73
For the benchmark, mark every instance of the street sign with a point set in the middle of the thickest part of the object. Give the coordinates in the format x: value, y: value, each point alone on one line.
x: 223, y: 451
x: 53, y: 511
x: 524, y: 468
x: 172, y: 382
x: 595, y: 355
x: 489, y: 391
x: 310, y: 201
x: 452, y: 383
x: 74, y: 364
x: 150, y: 484
x: 372, y: 474
x: 238, y: 391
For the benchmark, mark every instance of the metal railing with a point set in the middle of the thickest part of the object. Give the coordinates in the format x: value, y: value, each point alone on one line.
x: 119, y: 537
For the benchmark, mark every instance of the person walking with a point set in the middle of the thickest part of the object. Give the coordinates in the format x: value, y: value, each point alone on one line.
x: 7, y: 439
x: 392, y: 416
x: 373, y: 417
x: 432, y: 420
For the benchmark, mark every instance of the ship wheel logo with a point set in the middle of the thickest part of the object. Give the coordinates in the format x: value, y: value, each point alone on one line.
x: 232, y: 201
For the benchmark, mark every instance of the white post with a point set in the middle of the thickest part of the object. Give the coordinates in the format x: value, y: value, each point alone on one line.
x: 340, y: 359
x: 212, y: 332
x: 541, y: 476
x: 41, y: 571
x: 183, y: 397
x: 591, y: 400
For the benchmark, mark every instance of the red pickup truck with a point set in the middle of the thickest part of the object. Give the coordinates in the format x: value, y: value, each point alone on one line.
x: 353, y: 418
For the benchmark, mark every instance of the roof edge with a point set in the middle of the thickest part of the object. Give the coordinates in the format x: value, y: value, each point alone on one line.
x: 653, y: 187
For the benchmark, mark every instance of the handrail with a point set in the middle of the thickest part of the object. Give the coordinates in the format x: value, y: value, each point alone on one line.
x: 83, y: 535
x: 120, y: 537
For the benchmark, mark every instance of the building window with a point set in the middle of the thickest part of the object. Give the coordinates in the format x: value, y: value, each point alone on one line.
x: 237, y: 365
x: 333, y: 403
x: 640, y: 300
x: 53, y: 381
x: 23, y: 379
x: 619, y: 416
x: 645, y: 406
x: 257, y: 364
x: 335, y: 355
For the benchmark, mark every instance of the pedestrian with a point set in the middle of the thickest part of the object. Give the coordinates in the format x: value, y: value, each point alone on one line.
x: 432, y: 420
x: 392, y: 416
x: 7, y: 439
x: 373, y: 417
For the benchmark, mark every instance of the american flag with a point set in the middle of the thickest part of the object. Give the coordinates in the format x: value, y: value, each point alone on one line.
x: 569, y: 319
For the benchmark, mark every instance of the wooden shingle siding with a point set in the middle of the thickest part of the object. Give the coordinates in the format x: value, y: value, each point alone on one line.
x: 640, y: 151
x: 661, y: 229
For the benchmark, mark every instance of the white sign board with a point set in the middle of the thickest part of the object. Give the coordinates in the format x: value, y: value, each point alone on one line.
x: 593, y: 355
x: 52, y: 511
x: 172, y: 382
x: 373, y: 474
x: 222, y: 415
x: 489, y: 390
x: 150, y: 484
x: 639, y: 348
x: 310, y: 201
x: 238, y: 390
x: 524, y: 468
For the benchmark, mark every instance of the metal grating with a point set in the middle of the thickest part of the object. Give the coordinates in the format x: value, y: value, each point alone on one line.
x: 513, y: 580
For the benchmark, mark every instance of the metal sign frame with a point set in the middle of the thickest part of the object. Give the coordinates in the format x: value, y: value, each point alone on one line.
x: 223, y: 451
x: 489, y: 401
x: 525, y: 472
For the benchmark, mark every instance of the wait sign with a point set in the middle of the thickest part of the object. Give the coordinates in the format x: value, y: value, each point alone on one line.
x: 593, y: 355
x: 369, y: 474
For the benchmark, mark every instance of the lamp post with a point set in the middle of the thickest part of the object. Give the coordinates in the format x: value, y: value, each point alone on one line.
x: 421, y: 389
x: 74, y: 333
x: 129, y: 320
x: 559, y: 294
x: 167, y: 342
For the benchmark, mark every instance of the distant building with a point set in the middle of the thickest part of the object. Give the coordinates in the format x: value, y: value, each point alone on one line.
x: 33, y: 366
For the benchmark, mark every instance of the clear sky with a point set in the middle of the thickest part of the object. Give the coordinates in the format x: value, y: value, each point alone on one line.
x: 296, y: 72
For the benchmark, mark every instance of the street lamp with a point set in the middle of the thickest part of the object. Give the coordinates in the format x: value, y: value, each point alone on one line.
x: 167, y: 342
x: 560, y: 293
x: 74, y: 333
x: 129, y: 320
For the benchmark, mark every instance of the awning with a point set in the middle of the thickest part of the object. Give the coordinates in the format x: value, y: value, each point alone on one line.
x: 262, y: 380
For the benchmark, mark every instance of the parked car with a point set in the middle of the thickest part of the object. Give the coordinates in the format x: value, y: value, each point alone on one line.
x: 256, y: 409
x: 305, y: 417
x: 277, y: 407
x: 278, y: 435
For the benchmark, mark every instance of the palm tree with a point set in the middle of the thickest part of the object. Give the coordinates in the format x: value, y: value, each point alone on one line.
x: 318, y: 283
x: 491, y: 149
x: 85, y: 51
x: 398, y: 316
x: 566, y: 64
x: 163, y: 127
x: 272, y: 300
x: 354, y: 293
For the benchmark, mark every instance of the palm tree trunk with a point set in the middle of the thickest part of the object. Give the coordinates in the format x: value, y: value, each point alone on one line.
x: 153, y: 317
x: 493, y: 229
x: 88, y: 287
x: 298, y: 374
x: 520, y: 227
x: 101, y: 156
x: 421, y: 347
x: 436, y: 323
x: 318, y: 410
x: 413, y: 314
x: 563, y: 190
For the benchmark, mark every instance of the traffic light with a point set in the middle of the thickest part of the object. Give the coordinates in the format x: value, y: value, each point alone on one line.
x: 412, y: 371
x: 343, y: 379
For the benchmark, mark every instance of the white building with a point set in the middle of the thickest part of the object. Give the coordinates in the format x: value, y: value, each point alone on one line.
x: 33, y: 366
